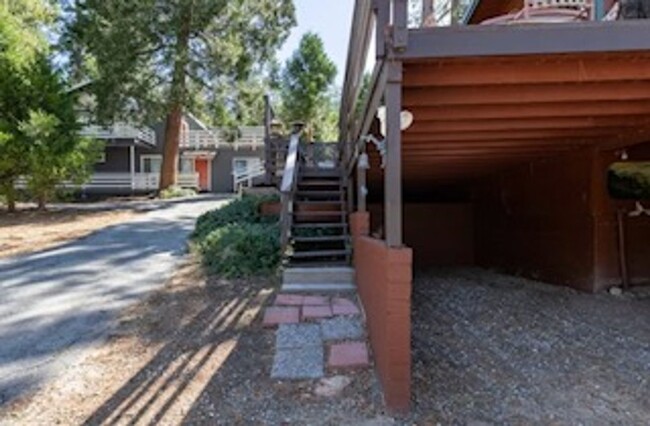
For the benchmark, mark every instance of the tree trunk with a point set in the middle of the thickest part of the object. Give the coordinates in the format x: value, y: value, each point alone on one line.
x: 10, y: 194
x: 41, y: 199
x: 169, y: 169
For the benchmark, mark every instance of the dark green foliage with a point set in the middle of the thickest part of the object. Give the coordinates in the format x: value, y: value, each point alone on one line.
x: 629, y: 181
x: 237, y: 241
x: 38, y: 127
x: 145, y: 56
x: 243, y: 210
x: 306, y: 89
x: 242, y: 249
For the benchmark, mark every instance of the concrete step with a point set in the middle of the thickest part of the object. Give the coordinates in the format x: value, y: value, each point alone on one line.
x: 317, y: 288
x: 318, y: 275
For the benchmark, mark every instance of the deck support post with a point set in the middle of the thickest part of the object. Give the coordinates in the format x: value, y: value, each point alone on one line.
x: 132, y: 166
x: 393, y: 168
x: 362, y: 166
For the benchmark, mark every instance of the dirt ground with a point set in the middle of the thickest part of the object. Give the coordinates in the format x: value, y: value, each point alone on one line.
x: 495, y: 349
x: 28, y: 231
x: 193, y: 353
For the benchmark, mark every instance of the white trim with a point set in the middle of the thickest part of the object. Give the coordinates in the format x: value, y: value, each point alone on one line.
x: 132, y: 165
x: 209, y: 159
x: 187, y: 157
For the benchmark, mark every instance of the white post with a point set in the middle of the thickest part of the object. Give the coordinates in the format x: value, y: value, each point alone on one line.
x: 132, y: 165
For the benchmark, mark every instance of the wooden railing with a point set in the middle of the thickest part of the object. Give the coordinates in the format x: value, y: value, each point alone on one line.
x: 248, y: 137
x: 288, y: 189
x: 245, y: 177
x: 124, y: 181
x: 120, y: 131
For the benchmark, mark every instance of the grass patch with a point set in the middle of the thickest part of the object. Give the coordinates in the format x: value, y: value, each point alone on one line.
x: 176, y: 192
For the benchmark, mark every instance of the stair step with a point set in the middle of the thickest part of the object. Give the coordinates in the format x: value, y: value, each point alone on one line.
x: 318, y: 274
x: 318, y: 184
x: 315, y: 172
x: 319, y: 202
x: 319, y: 253
x: 322, y: 193
x: 317, y: 287
x: 319, y: 225
x: 321, y: 238
x: 312, y: 213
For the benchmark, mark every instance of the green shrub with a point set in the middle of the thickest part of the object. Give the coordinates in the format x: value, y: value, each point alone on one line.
x: 243, y: 210
x: 236, y: 241
x: 241, y: 249
x: 176, y: 192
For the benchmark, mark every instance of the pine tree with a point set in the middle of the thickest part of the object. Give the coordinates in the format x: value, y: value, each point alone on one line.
x: 306, y: 87
x: 154, y: 59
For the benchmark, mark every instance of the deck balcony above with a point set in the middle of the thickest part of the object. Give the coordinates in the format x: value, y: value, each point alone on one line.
x: 121, y: 132
x: 251, y: 137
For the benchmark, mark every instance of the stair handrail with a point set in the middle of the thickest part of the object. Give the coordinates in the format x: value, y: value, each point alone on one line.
x: 288, y: 189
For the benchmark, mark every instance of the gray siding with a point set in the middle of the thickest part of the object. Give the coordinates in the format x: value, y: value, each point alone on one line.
x: 222, y: 166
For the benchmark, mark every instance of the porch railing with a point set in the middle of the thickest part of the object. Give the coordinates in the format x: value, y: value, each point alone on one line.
x: 126, y: 181
x: 288, y: 189
x: 245, y: 178
x: 248, y: 137
x: 120, y: 131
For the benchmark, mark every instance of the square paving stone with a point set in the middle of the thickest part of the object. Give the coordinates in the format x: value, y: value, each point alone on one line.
x: 341, y: 328
x: 275, y: 315
x: 341, y: 306
x: 298, y: 363
x: 289, y: 299
x: 349, y: 354
x: 315, y: 300
x: 297, y: 336
x: 316, y: 312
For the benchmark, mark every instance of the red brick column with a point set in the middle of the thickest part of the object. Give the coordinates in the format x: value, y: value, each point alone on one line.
x: 384, y: 278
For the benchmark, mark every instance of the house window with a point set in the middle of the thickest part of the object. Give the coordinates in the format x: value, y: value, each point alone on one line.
x: 151, y: 163
x: 242, y: 164
x: 629, y: 180
x: 186, y: 165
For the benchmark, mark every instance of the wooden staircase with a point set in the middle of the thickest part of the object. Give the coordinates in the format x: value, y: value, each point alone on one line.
x: 316, y: 239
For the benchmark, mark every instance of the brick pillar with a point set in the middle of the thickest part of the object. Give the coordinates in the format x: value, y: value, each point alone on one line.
x: 384, y: 276
x: 360, y: 224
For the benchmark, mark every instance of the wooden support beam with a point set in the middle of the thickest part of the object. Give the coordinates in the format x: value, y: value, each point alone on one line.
x: 542, y: 39
x: 530, y: 70
x: 361, y: 186
x: 426, y: 127
x: 526, y: 94
x: 531, y: 110
x: 502, y: 135
x: 393, y: 170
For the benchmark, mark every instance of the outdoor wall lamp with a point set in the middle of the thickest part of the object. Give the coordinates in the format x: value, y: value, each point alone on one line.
x: 379, y: 144
x: 639, y: 210
x: 363, y: 163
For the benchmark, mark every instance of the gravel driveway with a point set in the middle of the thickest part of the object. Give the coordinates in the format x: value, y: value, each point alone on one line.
x: 495, y: 349
x: 56, y: 302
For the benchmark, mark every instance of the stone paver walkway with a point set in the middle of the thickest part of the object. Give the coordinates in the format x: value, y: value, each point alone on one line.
x: 311, y: 328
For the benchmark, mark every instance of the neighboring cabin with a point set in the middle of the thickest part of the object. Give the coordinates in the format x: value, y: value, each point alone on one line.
x: 209, y: 161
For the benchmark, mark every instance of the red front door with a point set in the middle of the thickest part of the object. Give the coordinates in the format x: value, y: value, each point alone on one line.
x: 201, y: 165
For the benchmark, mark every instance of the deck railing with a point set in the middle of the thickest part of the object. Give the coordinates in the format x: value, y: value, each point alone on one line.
x: 120, y: 131
x: 245, y: 177
x: 126, y: 181
x: 288, y: 189
x: 247, y: 137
